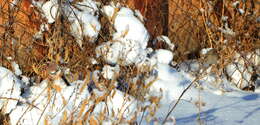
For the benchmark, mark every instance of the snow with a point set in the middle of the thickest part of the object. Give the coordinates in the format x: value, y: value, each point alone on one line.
x: 130, y: 28
x: 89, y: 6
x: 163, y: 56
x: 235, y: 107
x: 90, y: 26
x: 226, y: 30
x: 123, y: 53
x: 50, y: 10
x: 170, y: 81
x: 14, y: 3
x: 17, y: 70
x: 235, y: 4
x: 109, y: 10
x: 167, y: 41
x: 238, y: 70
x: 139, y: 15
x: 83, y: 17
x: 222, y: 110
x: 85, y: 22
x: 129, y: 41
x: 110, y: 51
x: 216, y: 109
x: 205, y: 51
x: 48, y: 105
x: 209, y: 100
x: 121, y: 104
x: 9, y: 90
x: 109, y: 72
x: 241, y: 11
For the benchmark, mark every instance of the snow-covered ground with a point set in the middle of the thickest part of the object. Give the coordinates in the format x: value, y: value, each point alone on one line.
x: 202, y: 103
x: 229, y: 108
x: 234, y: 107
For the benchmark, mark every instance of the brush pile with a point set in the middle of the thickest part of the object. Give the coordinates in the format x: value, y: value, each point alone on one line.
x: 97, y: 62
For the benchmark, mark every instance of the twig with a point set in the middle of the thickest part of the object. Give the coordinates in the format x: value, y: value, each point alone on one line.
x: 184, y: 91
x: 140, y: 122
x: 45, y: 109
x: 6, y: 98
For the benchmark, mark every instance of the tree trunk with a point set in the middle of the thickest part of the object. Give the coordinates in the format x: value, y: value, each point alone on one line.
x: 156, y: 14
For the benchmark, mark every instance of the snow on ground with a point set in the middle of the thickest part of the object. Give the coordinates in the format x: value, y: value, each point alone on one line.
x: 10, y: 90
x: 207, y: 105
x: 43, y: 105
x: 236, y: 107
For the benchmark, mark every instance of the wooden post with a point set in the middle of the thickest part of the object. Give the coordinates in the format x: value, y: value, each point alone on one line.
x: 156, y: 14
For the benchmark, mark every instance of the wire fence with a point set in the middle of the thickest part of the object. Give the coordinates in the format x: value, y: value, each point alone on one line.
x: 230, y: 28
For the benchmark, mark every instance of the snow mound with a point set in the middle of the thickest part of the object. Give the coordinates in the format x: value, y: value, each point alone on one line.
x: 130, y: 28
x: 83, y: 17
x: 85, y: 21
x: 129, y: 41
x: 163, y: 56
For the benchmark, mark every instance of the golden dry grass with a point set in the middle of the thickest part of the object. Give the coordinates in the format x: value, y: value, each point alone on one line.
x: 34, y: 55
x: 191, y: 25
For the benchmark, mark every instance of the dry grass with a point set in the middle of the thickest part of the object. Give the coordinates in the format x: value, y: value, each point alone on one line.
x: 21, y: 43
x: 37, y: 55
x: 196, y: 24
x: 14, y: 31
x: 227, y: 28
x: 192, y: 25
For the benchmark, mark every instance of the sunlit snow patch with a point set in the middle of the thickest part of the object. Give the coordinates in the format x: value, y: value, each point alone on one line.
x: 44, y: 104
x: 130, y: 39
x: 9, y: 90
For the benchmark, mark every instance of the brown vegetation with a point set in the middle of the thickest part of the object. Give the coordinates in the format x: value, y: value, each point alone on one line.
x: 191, y: 25
x: 20, y: 19
x: 155, y: 14
x: 196, y: 24
x: 18, y: 24
x: 4, y: 119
